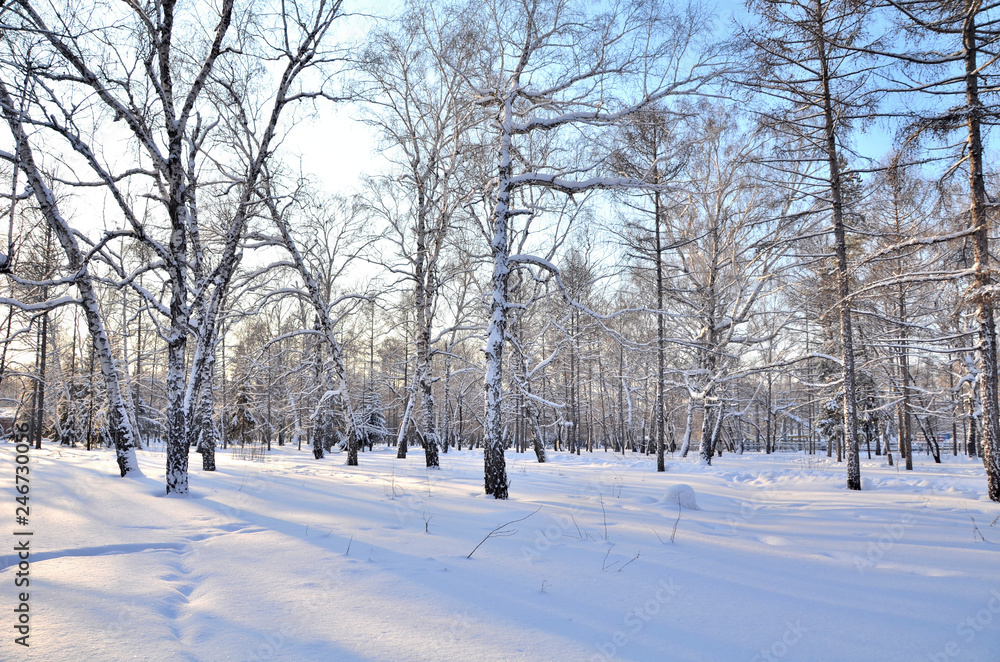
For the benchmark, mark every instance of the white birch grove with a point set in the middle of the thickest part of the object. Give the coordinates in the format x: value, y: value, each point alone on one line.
x: 161, y: 84
x: 617, y: 227
x: 422, y: 112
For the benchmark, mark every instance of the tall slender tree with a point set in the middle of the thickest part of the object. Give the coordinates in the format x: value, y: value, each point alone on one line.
x: 807, y: 65
x: 955, y: 55
x: 421, y: 109
x: 653, y: 151
x: 546, y: 70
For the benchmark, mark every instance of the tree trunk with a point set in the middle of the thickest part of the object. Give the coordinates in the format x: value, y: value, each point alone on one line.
x: 843, y: 281
x: 401, y: 437
x: 39, y: 412
x: 204, y: 426
x: 688, y: 424
x: 708, y: 422
x: 661, y: 342
x: 423, y: 294
x: 494, y: 463
x: 122, y: 431
x: 989, y: 380
x: 177, y: 439
x: 446, y: 435
x: 905, y: 434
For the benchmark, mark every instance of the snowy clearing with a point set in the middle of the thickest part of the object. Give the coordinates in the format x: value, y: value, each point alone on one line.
x: 297, y: 559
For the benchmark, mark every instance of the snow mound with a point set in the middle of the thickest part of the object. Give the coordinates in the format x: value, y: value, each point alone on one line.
x: 682, y: 495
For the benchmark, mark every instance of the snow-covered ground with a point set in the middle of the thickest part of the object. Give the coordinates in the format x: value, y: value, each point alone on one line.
x: 294, y: 559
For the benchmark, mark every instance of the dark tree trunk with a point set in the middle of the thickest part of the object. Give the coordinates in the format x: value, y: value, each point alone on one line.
x: 843, y: 282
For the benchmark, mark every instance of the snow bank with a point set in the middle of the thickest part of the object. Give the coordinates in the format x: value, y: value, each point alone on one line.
x: 681, y: 495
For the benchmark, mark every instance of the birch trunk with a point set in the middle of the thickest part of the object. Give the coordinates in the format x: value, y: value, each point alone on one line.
x: 401, y: 441
x: 989, y: 380
x: 688, y: 424
x: 446, y: 435
x: 495, y: 464
x: 202, y: 401
x: 335, y: 375
x: 424, y: 295
x: 121, y: 429
x: 708, y: 425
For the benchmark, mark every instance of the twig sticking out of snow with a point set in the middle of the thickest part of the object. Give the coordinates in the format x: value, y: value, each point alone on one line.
x: 678, y: 521
x: 605, y: 518
x: 604, y: 563
x: 501, y: 531
x: 975, y: 527
x: 580, y: 533
x: 607, y: 566
x: 634, y: 559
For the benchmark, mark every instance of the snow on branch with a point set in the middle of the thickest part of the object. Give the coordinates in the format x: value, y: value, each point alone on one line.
x: 554, y: 270
x: 573, y: 186
x: 42, y: 307
x: 918, y: 241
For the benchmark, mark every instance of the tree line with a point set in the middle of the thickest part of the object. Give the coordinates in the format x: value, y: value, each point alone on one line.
x: 630, y: 227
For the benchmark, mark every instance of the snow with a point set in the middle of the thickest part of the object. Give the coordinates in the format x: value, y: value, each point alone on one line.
x: 298, y: 559
x: 682, y: 495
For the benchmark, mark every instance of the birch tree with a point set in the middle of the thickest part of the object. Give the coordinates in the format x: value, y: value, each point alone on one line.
x: 558, y: 68
x: 39, y: 187
x: 420, y: 107
x: 148, y: 72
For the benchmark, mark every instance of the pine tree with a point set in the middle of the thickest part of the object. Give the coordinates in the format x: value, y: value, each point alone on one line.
x: 242, y: 422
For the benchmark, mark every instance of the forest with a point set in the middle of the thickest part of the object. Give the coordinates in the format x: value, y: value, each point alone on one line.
x: 642, y: 227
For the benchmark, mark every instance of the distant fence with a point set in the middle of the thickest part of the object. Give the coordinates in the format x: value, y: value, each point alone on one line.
x: 783, y: 444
